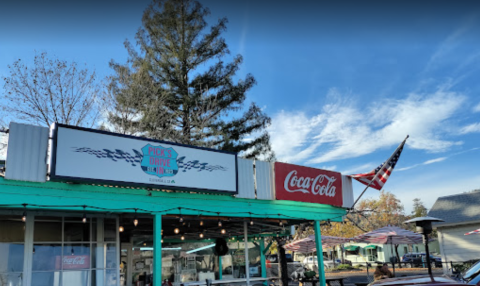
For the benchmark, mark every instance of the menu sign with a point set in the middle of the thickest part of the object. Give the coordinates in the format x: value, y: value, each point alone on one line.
x: 304, y: 184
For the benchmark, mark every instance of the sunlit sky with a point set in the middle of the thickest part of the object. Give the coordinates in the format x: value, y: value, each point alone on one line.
x: 344, y: 81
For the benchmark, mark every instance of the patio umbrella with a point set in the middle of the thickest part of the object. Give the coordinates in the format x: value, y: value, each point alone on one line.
x: 390, y: 235
x: 308, y: 245
x: 473, y: 232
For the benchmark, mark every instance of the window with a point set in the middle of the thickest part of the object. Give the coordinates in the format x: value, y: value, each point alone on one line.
x: 12, y: 241
x: 68, y: 252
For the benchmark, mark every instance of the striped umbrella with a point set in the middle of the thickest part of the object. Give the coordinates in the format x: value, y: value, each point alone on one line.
x: 308, y: 245
x: 390, y: 235
x: 473, y: 232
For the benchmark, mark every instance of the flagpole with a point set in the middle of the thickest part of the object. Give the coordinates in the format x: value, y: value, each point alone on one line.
x: 378, y: 173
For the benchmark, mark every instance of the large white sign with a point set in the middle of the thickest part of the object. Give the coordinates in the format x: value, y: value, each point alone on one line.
x: 87, y: 155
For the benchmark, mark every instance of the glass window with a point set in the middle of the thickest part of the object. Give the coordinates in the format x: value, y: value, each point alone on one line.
x: 46, y: 257
x: 110, y: 229
x: 76, y: 256
x: 13, y: 279
x: 46, y: 278
x: 47, y: 229
x: 76, y: 278
x: 12, y: 229
x: 11, y: 257
x: 75, y: 230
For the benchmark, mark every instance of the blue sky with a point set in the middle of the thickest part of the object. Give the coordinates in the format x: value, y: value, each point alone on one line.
x: 343, y: 82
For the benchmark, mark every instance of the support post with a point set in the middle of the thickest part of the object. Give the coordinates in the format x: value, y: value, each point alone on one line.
x: 318, y: 243
x: 157, y: 249
x: 247, y: 261
x: 220, y: 268
x: 262, y: 258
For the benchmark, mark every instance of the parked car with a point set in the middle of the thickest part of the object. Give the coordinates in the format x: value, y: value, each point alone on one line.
x: 310, y: 262
x: 472, y: 275
x: 418, y: 281
x: 418, y: 260
x: 345, y: 261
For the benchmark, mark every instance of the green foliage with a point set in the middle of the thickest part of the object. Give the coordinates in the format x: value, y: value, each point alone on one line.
x: 358, y: 266
x: 178, y: 86
x: 344, y: 267
x: 419, y: 210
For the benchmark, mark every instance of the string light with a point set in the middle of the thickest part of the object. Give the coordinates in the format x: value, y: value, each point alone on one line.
x: 176, y: 230
x: 219, y: 221
x: 281, y: 223
x: 73, y: 252
x: 181, y: 217
x: 182, y: 237
x: 201, y: 223
x: 223, y: 231
x: 24, y: 216
x: 121, y: 228
x: 135, y: 219
x: 84, y: 219
x: 201, y: 235
x: 161, y: 240
x: 251, y: 220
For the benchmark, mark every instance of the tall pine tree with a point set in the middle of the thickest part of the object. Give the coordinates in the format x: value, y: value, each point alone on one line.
x: 177, y: 87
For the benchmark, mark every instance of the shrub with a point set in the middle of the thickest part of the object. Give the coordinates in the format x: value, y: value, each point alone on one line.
x: 344, y: 267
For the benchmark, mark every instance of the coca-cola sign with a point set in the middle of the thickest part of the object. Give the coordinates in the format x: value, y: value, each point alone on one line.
x: 304, y: 184
x: 73, y: 262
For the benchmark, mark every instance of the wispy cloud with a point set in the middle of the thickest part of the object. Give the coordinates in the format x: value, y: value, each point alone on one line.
x: 450, y: 43
x: 343, y: 129
x: 476, y: 108
x: 471, y: 128
x: 428, y: 162
x: 360, y: 169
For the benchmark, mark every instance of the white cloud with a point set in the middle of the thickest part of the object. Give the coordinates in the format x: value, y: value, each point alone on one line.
x: 434, y: 161
x: 360, y: 169
x: 342, y: 129
x: 471, y: 128
x: 476, y: 108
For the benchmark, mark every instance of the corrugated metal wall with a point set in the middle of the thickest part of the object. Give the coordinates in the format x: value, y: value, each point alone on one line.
x: 264, y: 180
x: 246, y: 183
x: 27, y: 153
x: 347, y: 192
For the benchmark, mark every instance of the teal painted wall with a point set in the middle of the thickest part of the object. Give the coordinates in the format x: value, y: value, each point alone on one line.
x: 63, y: 196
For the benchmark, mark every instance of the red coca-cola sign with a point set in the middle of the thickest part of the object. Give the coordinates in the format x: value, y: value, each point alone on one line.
x: 73, y: 262
x: 304, y: 184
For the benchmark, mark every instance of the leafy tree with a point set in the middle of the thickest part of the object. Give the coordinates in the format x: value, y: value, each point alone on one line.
x: 419, y: 210
x: 178, y: 86
x: 53, y: 90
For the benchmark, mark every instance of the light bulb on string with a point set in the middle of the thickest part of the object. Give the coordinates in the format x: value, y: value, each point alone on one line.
x: 135, y: 219
x: 219, y: 221
x: 161, y: 241
x: 121, y: 228
x: 84, y: 219
x: 176, y: 230
x: 182, y: 237
x: 223, y: 231
x: 201, y: 223
x: 281, y: 223
x: 201, y: 235
x: 73, y: 252
x: 181, y: 217
x: 24, y: 216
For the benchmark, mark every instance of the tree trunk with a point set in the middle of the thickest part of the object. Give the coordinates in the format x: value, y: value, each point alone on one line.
x: 398, y: 257
x: 282, y: 262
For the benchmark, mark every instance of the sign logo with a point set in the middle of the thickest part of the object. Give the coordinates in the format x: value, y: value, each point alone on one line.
x: 159, y: 161
x: 303, y: 184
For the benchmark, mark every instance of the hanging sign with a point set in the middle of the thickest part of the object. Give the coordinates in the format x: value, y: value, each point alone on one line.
x: 94, y: 156
x: 304, y: 184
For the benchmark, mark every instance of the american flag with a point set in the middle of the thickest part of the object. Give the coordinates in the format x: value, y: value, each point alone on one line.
x: 473, y: 232
x: 380, y: 174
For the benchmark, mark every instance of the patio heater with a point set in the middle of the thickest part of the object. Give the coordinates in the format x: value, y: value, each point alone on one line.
x: 424, y: 227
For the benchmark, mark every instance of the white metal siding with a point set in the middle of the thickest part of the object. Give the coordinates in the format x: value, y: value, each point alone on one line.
x: 264, y: 180
x: 456, y: 246
x: 27, y: 153
x: 246, y: 185
x: 347, y: 191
